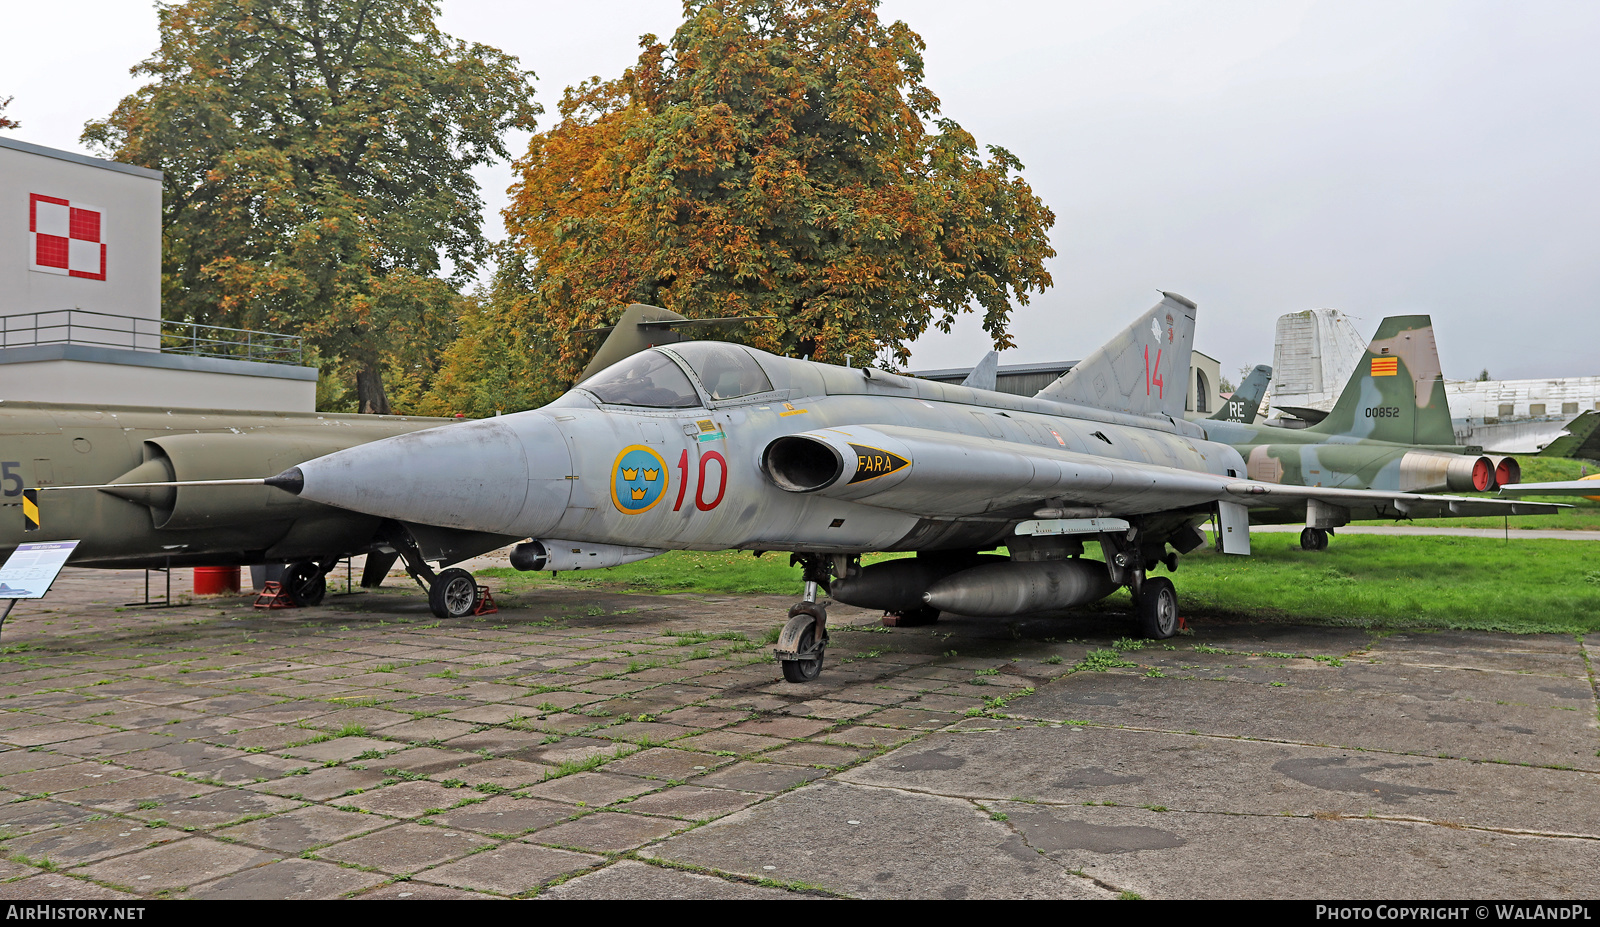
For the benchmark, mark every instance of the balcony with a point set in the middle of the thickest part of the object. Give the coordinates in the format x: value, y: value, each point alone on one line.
x: 156, y: 336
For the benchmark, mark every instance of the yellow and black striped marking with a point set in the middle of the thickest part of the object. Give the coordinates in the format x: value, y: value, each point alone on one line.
x: 30, y: 510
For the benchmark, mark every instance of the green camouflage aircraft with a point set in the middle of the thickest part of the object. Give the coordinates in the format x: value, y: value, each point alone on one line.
x: 53, y: 444
x: 1389, y: 430
x: 1581, y: 442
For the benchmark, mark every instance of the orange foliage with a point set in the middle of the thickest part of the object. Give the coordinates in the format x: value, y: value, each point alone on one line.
x: 774, y: 158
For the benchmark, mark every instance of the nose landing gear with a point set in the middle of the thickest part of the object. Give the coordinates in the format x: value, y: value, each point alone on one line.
x: 800, y: 646
x: 452, y: 593
x: 805, y: 637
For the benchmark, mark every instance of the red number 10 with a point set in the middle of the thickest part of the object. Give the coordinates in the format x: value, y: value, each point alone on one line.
x: 700, y: 492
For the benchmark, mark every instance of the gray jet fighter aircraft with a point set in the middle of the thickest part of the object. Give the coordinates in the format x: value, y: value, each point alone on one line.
x: 1245, y: 403
x: 710, y: 446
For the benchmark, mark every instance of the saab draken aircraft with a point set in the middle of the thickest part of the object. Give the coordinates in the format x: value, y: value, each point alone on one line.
x: 701, y: 445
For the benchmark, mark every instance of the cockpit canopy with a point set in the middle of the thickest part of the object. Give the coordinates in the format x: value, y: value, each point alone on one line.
x: 651, y: 378
x: 648, y: 379
x: 727, y: 371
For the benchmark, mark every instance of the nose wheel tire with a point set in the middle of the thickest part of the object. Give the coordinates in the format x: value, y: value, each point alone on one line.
x: 306, y: 583
x: 1158, y: 608
x: 454, y: 594
x: 1313, y: 539
x: 799, y: 636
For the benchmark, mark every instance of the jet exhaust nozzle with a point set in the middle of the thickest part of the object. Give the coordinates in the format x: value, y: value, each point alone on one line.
x: 1507, y: 472
x: 560, y: 556
x: 1001, y: 589
x: 1433, y: 471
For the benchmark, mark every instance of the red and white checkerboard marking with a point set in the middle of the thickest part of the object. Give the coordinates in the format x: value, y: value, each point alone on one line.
x: 65, y: 238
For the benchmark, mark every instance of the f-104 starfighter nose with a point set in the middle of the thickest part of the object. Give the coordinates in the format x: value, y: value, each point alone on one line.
x: 491, y: 475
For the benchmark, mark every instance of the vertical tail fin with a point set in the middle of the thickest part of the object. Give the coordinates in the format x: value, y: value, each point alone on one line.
x: 1397, y: 391
x: 1246, y: 401
x: 629, y: 336
x: 1144, y: 370
x: 983, y: 376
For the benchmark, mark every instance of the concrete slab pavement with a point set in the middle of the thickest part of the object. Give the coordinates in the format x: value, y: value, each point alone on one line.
x: 585, y: 743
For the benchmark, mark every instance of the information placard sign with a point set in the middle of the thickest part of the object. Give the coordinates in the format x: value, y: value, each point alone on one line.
x: 29, y: 571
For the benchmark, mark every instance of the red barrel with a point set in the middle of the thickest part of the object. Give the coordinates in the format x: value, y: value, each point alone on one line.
x: 216, y: 580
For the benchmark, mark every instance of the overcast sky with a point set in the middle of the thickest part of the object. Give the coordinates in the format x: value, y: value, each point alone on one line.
x: 1380, y: 158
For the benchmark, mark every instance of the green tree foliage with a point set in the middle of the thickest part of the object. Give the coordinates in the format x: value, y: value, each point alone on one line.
x: 317, y: 157
x: 497, y: 362
x: 775, y: 158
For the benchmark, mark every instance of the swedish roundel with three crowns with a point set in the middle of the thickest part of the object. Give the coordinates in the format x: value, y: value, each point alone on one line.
x: 638, y: 480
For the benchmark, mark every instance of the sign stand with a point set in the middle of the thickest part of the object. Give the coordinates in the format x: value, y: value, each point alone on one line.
x: 31, y: 570
x: 9, y: 606
x: 165, y: 602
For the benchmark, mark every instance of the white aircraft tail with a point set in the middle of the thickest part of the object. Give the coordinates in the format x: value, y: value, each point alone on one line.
x: 1144, y: 370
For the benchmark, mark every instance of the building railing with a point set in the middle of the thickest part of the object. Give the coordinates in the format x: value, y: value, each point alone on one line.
x: 102, y: 329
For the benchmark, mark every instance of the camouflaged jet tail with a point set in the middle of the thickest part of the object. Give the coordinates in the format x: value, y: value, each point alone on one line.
x: 1582, y: 439
x: 1144, y: 370
x: 1397, y: 391
x: 1246, y: 401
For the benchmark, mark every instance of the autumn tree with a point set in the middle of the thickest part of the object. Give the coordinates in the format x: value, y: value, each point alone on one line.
x: 5, y: 122
x: 776, y: 157
x: 317, y: 157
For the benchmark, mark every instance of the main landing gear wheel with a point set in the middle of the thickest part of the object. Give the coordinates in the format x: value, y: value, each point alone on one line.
x: 799, y: 637
x: 1158, y: 608
x: 1314, y: 539
x: 306, y: 582
x: 454, y: 594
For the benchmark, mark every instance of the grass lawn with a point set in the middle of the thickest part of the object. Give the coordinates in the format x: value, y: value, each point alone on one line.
x: 1439, y: 582
x: 1363, y: 580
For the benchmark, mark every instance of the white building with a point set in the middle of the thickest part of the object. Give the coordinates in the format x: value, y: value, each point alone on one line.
x: 1518, y: 416
x: 80, y: 299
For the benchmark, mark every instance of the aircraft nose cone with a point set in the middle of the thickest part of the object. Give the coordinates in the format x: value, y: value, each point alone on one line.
x: 472, y: 476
